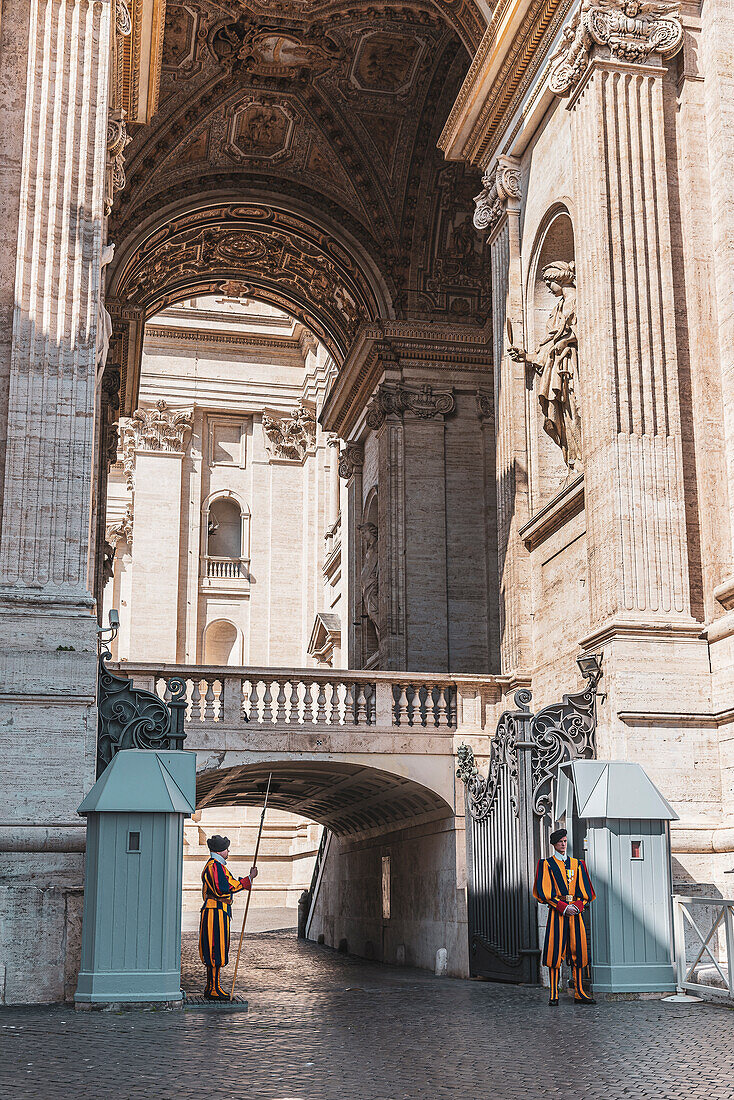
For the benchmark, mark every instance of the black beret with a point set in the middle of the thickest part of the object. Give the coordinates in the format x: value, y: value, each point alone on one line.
x: 218, y: 843
x: 558, y: 835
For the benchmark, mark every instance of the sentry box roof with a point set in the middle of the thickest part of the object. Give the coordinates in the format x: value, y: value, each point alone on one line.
x: 145, y: 781
x: 613, y: 789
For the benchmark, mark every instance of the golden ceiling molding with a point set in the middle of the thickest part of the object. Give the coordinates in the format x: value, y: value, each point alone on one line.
x: 142, y: 58
x: 509, y: 58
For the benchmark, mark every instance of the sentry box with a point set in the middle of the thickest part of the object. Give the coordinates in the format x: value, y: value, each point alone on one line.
x: 618, y: 821
x: 131, y: 933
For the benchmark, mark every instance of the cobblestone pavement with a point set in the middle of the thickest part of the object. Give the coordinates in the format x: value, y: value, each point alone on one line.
x: 325, y: 1027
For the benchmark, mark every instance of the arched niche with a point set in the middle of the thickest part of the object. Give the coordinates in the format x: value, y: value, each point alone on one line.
x: 369, y: 579
x: 226, y: 529
x: 222, y: 643
x: 554, y: 242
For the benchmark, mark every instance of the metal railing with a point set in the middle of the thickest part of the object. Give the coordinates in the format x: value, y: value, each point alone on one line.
x: 710, y: 942
x: 316, y: 698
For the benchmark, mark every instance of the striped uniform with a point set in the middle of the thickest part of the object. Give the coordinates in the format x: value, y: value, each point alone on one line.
x: 218, y: 885
x: 556, y: 884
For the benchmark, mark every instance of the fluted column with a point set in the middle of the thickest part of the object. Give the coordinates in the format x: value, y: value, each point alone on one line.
x: 350, y: 468
x: 44, y: 544
x: 498, y: 213
x: 633, y: 460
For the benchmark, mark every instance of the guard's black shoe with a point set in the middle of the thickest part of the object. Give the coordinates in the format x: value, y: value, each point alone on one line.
x: 584, y: 1001
x: 552, y: 1002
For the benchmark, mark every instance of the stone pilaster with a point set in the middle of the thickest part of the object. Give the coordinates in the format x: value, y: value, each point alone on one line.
x: 153, y: 449
x: 350, y: 468
x: 498, y: 212
x: 633, y: 460
x: 47, y: 627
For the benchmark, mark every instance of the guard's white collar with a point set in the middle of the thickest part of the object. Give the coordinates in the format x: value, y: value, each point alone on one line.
x: 559, y: 857
x: 219, y: 858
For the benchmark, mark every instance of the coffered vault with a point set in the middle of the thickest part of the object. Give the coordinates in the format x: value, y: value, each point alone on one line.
x: 293, y: 158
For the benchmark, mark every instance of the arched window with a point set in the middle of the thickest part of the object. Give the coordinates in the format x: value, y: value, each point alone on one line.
x: 226, y: 527
x: 222, y: 644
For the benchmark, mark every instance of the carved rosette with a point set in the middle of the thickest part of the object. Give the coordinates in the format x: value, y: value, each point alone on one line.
x: 501, y: 187
x: 394, y: 399
x: 350, y: 460
x: 485, y: 406
x: 630, y: 29
x: 123, y: 22
x: 122, y: 531
x: 156, y: 429
x: 290, y: 438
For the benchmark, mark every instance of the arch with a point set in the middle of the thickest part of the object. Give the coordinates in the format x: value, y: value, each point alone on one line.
x: 310, y: 268
x: 345, y: 796
x: 222, y: 643
x: 234, y: 501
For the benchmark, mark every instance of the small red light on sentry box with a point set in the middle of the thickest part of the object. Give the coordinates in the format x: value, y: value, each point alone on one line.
x: 636, y: 846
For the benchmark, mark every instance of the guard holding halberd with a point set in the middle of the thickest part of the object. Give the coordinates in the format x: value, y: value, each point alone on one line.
x: 218, y: 886
x: 563, y: 884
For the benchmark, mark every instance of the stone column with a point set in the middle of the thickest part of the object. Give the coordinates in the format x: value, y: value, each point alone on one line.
x: 47, y: 627
x: 350, y: 468
x: 634, y: 487
x: 153, y: 450
x: 498, y: 213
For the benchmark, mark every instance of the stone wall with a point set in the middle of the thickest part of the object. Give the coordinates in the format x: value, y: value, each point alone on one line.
x: 427, y: 897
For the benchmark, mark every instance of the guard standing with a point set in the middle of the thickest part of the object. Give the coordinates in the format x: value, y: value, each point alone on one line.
x: 563, y: 884
x: 218, y: 886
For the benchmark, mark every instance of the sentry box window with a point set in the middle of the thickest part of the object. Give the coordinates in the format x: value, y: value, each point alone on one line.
x: 133, y: 842
x: 636, y: 849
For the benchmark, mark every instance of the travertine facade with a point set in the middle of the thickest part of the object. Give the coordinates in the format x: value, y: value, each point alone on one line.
x: 532, y: 401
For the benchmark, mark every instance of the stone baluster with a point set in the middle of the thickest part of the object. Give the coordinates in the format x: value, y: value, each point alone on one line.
x: 267, y: 702
x: 294, y: 716
x: 307, y: 702
x: 321, y: 703
x: 280, y: 715
x: 334, y: 716
x: 254, y: 715
x: 440, y: 710
x: 196, y: 701
x: 209, y: 701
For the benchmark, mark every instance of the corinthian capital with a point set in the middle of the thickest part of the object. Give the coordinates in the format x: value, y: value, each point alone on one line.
x: 394, y: 399
x: 501, y: 188
x: 156, y: 429
x: 351, y: 460
x: 630, y: 29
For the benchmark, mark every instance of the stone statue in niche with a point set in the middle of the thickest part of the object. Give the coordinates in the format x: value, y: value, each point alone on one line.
x: 370, y: 576
x: 557, y: 363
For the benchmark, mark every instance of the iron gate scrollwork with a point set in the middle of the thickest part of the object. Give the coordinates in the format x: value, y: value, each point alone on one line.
x: 133, y: 718
x: 508, y: 816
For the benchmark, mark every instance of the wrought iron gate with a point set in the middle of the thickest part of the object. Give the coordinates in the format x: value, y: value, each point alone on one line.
x: 507, y: 822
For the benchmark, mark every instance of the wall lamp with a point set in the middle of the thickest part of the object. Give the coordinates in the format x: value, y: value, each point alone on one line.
x: 590, y: 667
x: 112, y: 629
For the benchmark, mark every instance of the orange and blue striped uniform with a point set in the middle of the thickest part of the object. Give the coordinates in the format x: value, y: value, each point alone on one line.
x: 556, y: 885
x: 218, y: 886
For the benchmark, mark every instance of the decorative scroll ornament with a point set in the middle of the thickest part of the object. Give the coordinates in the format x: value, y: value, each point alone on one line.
x: 117, y: 141
x: 123, y: 22
x: 501, y: 184
x: 156, y: 429
x: 290, y: 439
x: 350, y: 460
x: 630, y: 29
x: 131, y: 718
x: 395, y: 399
x: 560, y: 732
x: 503, y: 763
x: 122, y: 531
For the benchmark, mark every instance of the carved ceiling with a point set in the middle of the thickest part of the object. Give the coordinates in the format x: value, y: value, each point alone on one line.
x: 294, y: 153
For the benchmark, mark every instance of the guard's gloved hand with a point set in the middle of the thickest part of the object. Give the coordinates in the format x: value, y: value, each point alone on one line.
x: 571, y: 909
x: 253, y: 873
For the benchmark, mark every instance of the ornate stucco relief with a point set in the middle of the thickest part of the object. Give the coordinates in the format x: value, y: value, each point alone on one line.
x: 156, y: 429
x: 290, y: 438
x: 630, y: 29
x: 501, y: 184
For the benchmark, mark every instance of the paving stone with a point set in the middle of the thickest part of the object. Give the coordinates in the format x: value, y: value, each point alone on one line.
x: 324, y: 1026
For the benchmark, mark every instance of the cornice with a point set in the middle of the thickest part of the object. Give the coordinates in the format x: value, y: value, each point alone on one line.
x: 204, y: 336
x: 509, y: 59
x: 388, y: 348
x: 143, y: 54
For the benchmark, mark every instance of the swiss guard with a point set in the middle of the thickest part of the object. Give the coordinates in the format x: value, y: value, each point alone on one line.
x: 563, y: 884
x: 218, y: 885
